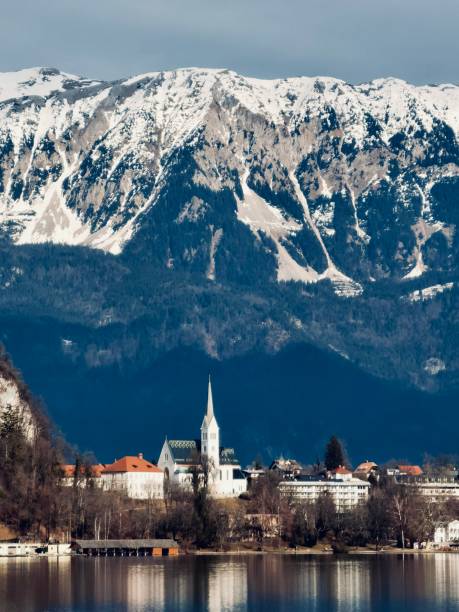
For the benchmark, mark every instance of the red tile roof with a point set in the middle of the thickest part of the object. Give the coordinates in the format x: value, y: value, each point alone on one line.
x: 341, y: 470
x: 131, y: 464
x: 411, y: 470
x: 69, y: 470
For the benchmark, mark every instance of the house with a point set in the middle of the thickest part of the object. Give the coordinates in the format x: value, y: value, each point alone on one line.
x: 409, y: 470
x: 366, y: 469
x: 286, y: 468
x: 346, y: 493
x: 447, y: 533
x: 340, y: 473
x: 404, y: 470
x: 136, y: 477
x: 252, y: 474
x: 180, y: 458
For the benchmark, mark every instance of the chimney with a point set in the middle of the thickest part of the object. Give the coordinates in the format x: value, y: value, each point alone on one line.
x: 140, y: 455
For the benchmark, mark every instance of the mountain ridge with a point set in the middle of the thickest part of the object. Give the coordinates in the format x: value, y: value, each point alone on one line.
x: 97, y: 192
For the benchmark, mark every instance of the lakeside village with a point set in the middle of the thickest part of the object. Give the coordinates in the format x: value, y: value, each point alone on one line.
x: 198, y: 497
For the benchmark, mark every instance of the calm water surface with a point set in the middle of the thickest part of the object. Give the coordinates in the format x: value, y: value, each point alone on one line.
x: 320, y: 584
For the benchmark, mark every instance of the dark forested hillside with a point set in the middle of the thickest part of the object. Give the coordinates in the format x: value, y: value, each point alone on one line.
x: 132, y: 312
x: 287, y: 403
x: 30, y: 456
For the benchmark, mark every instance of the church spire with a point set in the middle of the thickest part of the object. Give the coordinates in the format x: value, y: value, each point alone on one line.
x: 210, y: 436
x: 210, y: 402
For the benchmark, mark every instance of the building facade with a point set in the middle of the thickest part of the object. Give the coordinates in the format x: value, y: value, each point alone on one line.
x: 347, y: 493
x: 136, y: 477
x: 447, y: 533
x: 434, y: 488
x: 179, y: 459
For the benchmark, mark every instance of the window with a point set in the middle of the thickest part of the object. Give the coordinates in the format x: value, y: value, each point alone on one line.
x: 213, y: 436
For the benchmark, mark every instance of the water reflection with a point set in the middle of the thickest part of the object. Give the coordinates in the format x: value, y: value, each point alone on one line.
x: 227, y: 586
x: 219, y: 583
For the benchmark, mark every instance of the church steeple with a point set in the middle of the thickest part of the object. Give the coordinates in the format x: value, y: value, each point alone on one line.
x: 210, y: 402
x: 209, y: 415
x: 210, y: 435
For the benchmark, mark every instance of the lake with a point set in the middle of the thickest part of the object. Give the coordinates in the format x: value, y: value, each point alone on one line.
x: 214, y: 583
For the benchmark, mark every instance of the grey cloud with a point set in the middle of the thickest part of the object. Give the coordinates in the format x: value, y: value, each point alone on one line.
x: 351, y: 39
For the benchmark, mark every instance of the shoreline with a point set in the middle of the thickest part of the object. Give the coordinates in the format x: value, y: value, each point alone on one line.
x: 247, y: 553
x: 312, y: 553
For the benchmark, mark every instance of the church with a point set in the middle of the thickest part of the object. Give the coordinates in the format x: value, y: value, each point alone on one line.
x: 179, y: 457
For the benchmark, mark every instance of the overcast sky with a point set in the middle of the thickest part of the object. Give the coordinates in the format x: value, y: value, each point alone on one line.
x: 356, y: 40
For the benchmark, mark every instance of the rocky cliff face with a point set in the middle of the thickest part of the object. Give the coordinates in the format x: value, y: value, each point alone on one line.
x: 312, y: 209
x: 15, y: 398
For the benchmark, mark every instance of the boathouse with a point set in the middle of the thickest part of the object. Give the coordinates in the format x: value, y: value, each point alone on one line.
x: 126, y: 548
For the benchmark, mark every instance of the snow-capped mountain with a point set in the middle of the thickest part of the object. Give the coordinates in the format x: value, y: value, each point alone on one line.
x: 302, y: 179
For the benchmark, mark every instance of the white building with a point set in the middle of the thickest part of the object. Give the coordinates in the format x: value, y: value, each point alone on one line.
x: 435, y: 488
x: 346, y: 493
x: 31, y: 549
x: 134, y: 476
x: 447, y: 533
x: 178, y: 458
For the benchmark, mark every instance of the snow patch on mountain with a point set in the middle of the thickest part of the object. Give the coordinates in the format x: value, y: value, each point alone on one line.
x: 260, y: 216
x: 216, y: 237
x: 40, y: 82
x: 428, y: 293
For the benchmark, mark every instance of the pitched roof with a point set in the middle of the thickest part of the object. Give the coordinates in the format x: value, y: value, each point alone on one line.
x: 185, y: 451
x: 130, y: 544
x: 366, y: 466
x: 131, y: 464
x: 341, y: 470
x: 285, y: 465
x: 411, y: 470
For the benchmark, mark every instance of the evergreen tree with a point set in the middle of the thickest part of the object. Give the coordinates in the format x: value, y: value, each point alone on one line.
x: 12, y: 439
x: 334, y: 454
